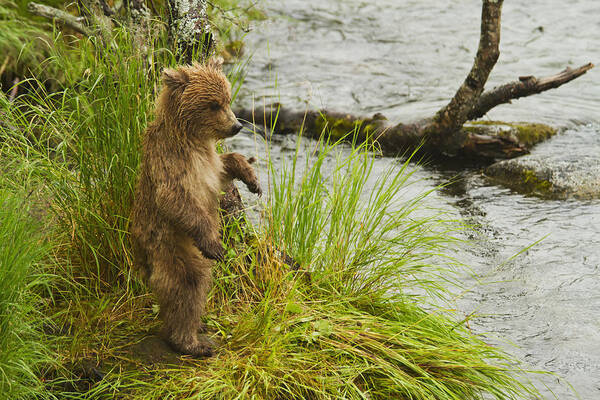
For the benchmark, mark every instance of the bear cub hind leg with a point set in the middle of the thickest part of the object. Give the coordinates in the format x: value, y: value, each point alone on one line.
x: 182, y: 296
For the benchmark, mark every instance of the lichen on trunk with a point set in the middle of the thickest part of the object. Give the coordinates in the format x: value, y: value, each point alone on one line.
x: 189, y: 29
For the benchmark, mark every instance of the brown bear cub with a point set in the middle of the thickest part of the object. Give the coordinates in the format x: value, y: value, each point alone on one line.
x: 175, y: 221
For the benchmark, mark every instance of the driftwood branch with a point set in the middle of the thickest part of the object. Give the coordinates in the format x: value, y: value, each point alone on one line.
x: 525, y: 86
x: 60, y: 16
x: 452, y: 117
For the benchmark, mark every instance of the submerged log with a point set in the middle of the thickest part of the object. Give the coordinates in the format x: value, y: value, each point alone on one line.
x: 429, y: 134
x: 476, y: 140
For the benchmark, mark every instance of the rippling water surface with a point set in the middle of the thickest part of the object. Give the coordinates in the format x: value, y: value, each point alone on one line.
x: 406, y: 59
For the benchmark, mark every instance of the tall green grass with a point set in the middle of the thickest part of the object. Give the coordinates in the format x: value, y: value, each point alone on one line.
x: 83, y: 141
x: 340, y: 327
x: 336, y: 211
x: 23, y: 354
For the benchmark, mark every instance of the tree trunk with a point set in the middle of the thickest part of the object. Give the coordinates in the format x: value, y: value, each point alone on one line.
x: 189, y: 30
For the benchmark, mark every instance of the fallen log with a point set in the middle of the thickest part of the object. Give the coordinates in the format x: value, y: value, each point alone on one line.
x: 60, y: 16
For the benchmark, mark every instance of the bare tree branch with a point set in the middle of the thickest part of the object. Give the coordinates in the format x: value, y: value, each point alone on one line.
x: 525, y: 86
x: 452, y: 117
x: 60, y: 16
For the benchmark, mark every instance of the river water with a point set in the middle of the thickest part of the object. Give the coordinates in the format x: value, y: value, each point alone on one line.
x: 406, y: 59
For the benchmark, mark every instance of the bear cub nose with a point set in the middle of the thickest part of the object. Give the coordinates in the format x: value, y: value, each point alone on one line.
x: 236, y: 128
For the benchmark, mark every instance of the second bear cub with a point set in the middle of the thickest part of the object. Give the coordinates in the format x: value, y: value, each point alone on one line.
x: 175, y: 224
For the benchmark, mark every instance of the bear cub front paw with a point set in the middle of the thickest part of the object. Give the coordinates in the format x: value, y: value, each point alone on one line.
x: 254, y: 187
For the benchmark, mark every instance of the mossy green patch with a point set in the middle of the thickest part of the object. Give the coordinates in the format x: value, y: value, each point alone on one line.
x: 527, y: 133
x: 531, y: 134
x: 522, y: 180
x: 336, y: 128
x: 340, y: 127
x: 535, y: 183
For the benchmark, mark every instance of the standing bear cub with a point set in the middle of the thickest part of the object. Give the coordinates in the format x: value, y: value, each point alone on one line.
x: 175, y: 222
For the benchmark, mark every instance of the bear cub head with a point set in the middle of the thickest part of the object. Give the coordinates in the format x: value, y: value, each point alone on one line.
x: 197, y: 99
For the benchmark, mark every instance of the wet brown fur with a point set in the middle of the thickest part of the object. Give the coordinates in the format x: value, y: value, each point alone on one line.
x: 175, y: 225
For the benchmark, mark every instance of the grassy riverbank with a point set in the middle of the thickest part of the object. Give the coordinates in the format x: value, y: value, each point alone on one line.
x: 341, y: 326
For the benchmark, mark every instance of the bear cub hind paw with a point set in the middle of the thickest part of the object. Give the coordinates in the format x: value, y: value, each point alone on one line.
x: 204, y: 347
x: 201, y: 346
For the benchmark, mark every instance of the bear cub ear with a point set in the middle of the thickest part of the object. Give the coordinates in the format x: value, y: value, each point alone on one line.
x: 175, y: 78
x: 215, y: 63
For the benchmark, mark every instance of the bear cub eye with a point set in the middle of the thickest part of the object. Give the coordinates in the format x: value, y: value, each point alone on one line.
x: 214, y: 106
